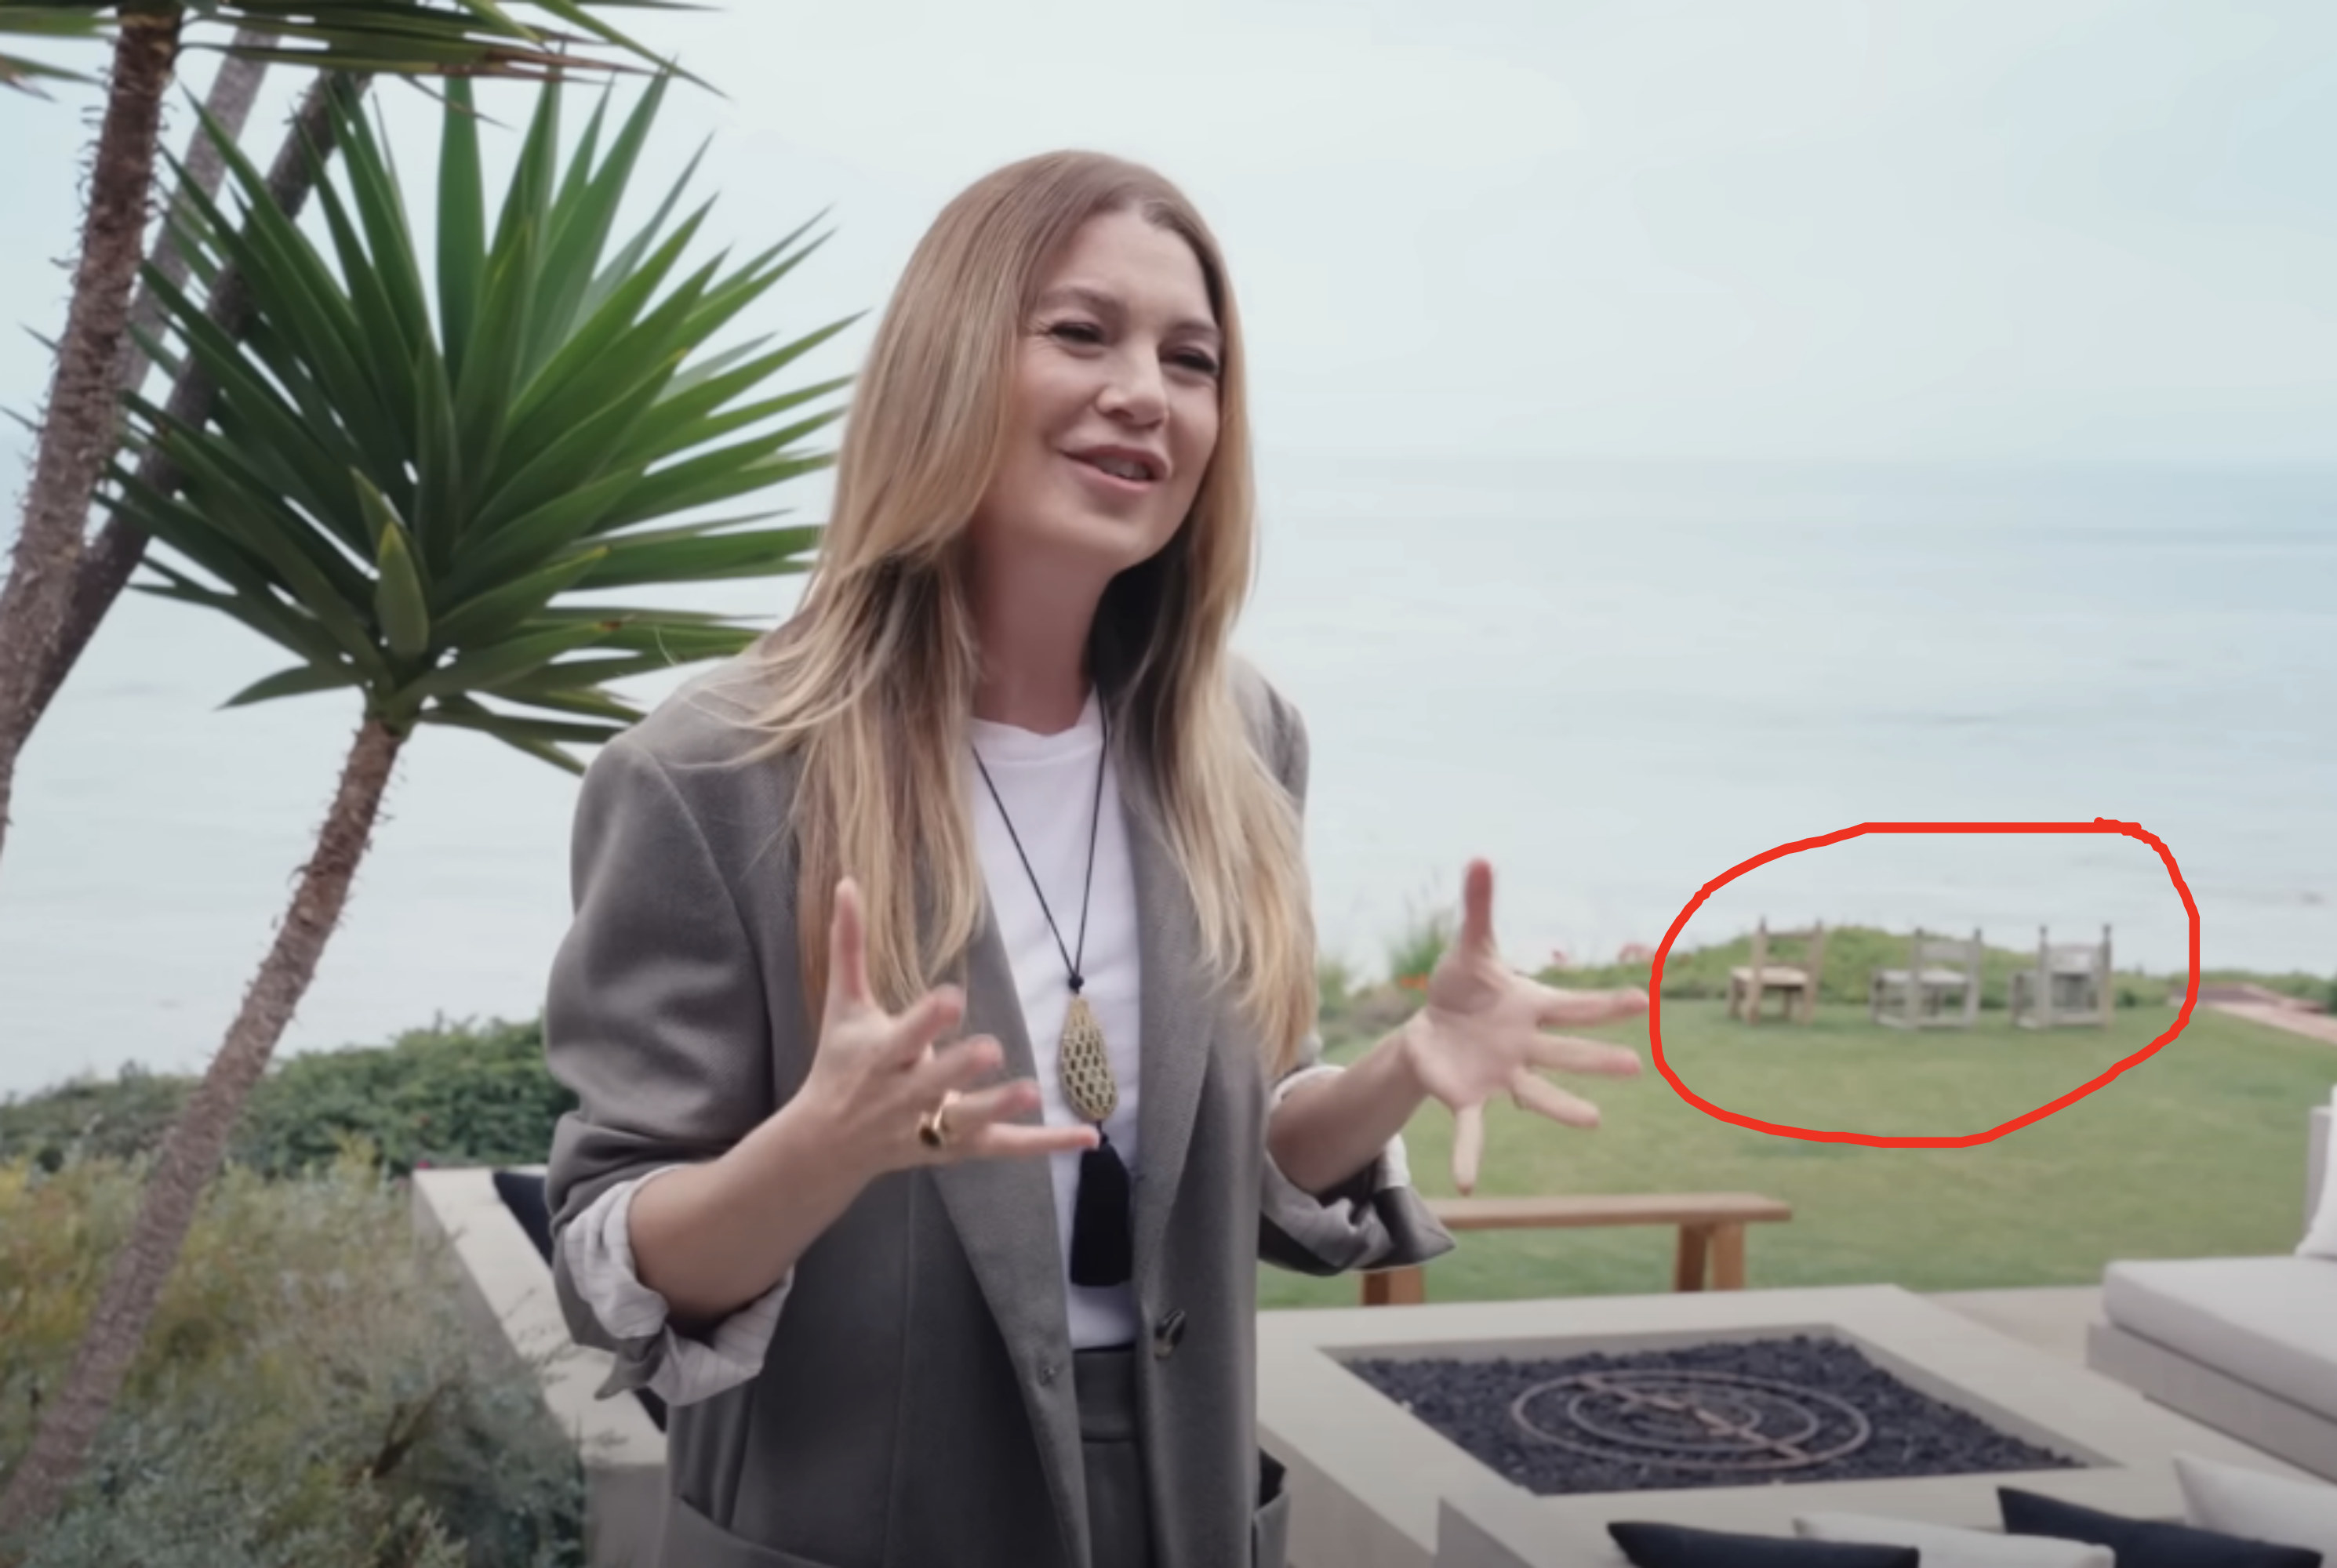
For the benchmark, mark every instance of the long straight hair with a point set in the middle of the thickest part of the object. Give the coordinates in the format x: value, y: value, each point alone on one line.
x: 871, y: 683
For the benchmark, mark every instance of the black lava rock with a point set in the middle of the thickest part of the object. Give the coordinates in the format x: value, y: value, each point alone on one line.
x: 1697, y: 1433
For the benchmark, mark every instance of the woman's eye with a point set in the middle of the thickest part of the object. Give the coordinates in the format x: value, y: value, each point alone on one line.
x: 1198, y: 362
x: 1076, y: 332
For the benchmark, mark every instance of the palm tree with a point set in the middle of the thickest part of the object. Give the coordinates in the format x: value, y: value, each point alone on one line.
x: 81, y: 427
x: 425, y: 507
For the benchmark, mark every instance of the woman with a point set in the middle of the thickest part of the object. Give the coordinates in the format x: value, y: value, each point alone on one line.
x: 940, y: 996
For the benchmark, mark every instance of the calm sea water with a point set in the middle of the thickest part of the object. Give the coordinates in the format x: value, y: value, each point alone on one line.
x: 1616, y: 681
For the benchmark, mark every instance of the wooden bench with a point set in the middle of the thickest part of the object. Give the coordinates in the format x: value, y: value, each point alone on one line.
x: 1711, y: 1233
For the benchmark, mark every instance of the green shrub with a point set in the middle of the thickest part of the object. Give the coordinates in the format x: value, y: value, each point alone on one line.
x: 449, y: 1094
x: 308, y: 1393
x: 459, y: 1095
x: 97, y: 1119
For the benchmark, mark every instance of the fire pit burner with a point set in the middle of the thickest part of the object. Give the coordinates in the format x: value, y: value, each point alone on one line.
x: 1696, y: 1420
x: 1788, y: 1410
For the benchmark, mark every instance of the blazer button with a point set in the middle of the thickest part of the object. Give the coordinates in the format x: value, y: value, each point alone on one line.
x: 1047, y: 1372
x: 1167, y: 1332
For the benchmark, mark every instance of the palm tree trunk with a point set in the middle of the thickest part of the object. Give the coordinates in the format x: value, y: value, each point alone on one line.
x: 106, y: 565
x: 81, y: 424
x: 228, y: 100
x: 198, y: 1141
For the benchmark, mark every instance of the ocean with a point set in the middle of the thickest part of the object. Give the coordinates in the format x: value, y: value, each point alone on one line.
x: 1617, y: 681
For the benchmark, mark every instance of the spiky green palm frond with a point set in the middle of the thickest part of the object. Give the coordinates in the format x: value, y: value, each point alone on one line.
x: 421, y: 491
x: 384, y: 38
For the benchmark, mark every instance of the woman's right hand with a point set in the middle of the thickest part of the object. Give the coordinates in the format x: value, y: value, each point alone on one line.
x: 875, y: 1074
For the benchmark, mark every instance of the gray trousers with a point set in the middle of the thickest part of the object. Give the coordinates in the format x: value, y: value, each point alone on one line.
x: 1119, y: 1514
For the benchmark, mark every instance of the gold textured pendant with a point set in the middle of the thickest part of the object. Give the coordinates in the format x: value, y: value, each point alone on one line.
x: 1088, y: 1083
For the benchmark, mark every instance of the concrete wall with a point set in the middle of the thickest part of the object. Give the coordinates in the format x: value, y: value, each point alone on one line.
x: 508, y: 1297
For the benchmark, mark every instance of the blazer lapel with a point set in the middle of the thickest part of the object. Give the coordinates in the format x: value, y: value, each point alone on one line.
x: 1173, y: 1053
x: 1005, y: 1212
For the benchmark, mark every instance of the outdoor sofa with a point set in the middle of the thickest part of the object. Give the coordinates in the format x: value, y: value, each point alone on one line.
x: 2245, y: 1344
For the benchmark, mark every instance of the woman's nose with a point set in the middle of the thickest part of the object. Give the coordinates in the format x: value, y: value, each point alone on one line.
x: 1134, y: 389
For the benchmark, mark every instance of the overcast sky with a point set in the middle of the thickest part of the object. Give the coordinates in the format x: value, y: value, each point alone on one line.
x: 1804, y: 227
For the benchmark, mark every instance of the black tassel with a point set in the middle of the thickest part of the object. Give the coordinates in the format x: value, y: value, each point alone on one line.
x: 1103, y: 1250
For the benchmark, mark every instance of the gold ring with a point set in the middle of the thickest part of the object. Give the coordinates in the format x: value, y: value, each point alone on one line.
x: 933, y: 1126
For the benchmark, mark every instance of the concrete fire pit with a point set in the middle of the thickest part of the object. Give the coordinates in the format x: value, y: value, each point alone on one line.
x: 1375, y: 1487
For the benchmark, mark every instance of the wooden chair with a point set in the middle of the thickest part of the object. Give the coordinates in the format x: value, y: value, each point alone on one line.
x: 1750, y: 985
x: 1916, y: 998
x: 2070, y: 985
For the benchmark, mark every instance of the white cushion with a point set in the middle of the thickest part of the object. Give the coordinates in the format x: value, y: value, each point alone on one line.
x: 2261, y: 1507
x: 1945, y: 1546
x: 2320, y: 1238
x: 2269, y: 1322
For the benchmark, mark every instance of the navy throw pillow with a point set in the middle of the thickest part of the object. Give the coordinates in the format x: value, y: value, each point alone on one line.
x: 2142, y: 1543
x: 1677, y: 1546
x: 523, y: 1194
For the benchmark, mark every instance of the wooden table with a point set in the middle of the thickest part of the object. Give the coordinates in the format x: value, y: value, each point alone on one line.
x: 1711, y: 1233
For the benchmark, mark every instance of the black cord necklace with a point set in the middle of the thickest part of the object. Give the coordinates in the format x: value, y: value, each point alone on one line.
x: 1103, y: 1245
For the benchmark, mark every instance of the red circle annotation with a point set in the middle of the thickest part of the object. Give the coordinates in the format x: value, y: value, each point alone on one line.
x: 1964, y: 1141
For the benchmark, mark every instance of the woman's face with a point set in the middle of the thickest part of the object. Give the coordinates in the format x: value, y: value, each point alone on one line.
x: 1115, y: 405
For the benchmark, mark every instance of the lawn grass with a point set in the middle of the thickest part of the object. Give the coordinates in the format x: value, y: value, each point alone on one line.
x: 2197, y: 1150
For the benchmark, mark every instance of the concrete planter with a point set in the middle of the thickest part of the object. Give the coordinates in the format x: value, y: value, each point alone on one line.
x: 507, y: 1294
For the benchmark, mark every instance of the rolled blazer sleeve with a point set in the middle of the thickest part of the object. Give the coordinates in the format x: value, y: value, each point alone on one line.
x: 682, y: 1369
x: 655, y: 1018
x: 1373, y: 1220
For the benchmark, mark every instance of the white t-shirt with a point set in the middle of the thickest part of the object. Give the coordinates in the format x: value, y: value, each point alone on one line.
x: 1048, y: 786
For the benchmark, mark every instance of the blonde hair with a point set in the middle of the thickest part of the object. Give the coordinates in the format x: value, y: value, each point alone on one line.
x: 871, y: 683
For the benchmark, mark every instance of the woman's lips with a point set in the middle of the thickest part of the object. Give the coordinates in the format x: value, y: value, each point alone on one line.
x: 1111, y: 482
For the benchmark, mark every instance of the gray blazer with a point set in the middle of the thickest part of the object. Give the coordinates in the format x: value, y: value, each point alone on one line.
x: 917, y: 1405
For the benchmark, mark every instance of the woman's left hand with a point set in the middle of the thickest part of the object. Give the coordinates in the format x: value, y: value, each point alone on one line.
x: 1481, y: 1033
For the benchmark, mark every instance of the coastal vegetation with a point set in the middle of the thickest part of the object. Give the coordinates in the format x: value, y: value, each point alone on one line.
x: 308, y: 1391
x: 451, y: 1093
